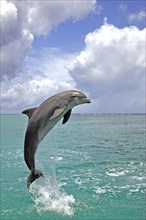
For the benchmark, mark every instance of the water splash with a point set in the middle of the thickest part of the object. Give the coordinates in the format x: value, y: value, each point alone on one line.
x: 49, y: 197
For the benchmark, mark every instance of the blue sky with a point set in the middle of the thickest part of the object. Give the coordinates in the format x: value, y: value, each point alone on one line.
x: 69, y: 35
x: 93, y: 46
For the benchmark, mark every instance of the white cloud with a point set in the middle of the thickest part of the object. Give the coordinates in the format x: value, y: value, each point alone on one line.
x: 110, y: 70
x: 13, y: 54
x: 15, y: 40
x: 44, y: 76
x: 123, y: 7
x: 27, y: 93
x: 21, y: 21
x: 43, y: 17
x: 8, y: 22
x: 112, y: 67
x: 137, y: 16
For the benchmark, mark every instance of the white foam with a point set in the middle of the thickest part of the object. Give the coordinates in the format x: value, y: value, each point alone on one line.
x: 49, y: 198
x: 140, y: 178
x: 47, y: 195
x: 56, y: 158
x: 100, y: 190
x: 134, y: 190
x: 116, y: 173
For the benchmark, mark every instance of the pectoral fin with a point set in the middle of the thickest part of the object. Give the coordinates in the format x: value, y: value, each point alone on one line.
x: 29, y: 112
x: 66, y: 116
x: 57, y: 113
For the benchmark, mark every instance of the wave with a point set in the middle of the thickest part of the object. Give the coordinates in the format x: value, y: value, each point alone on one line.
x: 116, y: 173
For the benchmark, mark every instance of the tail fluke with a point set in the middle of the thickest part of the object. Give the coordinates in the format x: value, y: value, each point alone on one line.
x: 33, y: 176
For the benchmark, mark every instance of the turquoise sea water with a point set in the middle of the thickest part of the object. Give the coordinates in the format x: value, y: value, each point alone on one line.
x: 94, y: 167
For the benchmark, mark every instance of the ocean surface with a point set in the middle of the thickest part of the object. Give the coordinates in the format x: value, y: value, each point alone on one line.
x: 94, y: 167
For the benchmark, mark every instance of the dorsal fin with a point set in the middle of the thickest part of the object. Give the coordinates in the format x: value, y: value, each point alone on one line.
x: 66, y: 116
x: 29, y: 111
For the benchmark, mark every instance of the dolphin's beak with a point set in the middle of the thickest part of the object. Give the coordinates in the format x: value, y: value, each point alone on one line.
x: 86, y: 100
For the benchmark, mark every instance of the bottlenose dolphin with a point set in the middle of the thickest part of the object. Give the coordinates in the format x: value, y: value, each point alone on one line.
x: 42, y: 119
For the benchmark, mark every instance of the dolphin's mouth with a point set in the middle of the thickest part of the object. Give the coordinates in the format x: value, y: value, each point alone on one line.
x: 86, y: 100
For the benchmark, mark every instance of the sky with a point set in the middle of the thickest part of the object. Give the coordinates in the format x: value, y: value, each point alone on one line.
x: 97, y: 47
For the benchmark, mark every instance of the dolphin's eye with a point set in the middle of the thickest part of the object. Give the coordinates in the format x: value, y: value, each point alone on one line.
x: 73, y: 96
